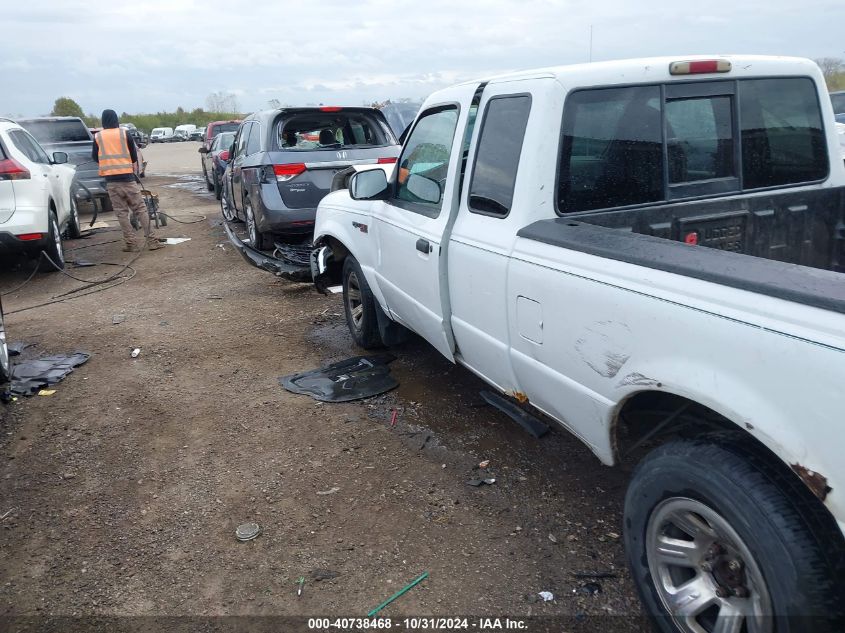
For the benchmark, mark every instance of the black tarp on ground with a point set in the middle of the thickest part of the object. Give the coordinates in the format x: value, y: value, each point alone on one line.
x: 28, y: 376
x: 352, y: 379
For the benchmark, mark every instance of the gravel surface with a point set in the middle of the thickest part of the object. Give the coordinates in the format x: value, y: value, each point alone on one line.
x: 121, y: 492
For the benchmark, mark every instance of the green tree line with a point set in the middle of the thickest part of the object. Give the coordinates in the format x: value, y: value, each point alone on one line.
x: 65, y: 106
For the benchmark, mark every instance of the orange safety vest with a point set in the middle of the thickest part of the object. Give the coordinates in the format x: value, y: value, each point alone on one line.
x: 113, y: 152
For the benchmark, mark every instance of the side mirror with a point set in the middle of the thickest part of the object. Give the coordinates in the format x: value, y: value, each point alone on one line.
x: 368, y: 185
x: 426, y: 189
x: 203, y: 150
x: 59, y: 158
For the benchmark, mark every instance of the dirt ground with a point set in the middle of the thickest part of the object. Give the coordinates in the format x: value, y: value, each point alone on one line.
x: 121, y: 492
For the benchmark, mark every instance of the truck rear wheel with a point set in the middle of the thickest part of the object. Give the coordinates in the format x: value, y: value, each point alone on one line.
x: 360, y: 306
x: 720, y: 540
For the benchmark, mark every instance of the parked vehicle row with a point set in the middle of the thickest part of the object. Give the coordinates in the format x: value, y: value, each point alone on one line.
x: 215, y: 161
x: 36, y: 202
x: 72, y: 136
x: 656, y: 265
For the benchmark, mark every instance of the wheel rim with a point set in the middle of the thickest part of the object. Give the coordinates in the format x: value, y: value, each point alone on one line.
x: 703, y: 572
x: 57, y: 237
x: 354, y: 300
x: 225, y: 209
x: 74, y: 215
x: 250, y: 226
x: 4, y: 350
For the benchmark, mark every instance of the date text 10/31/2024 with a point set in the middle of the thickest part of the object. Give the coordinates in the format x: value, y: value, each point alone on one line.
x: 417, y: 624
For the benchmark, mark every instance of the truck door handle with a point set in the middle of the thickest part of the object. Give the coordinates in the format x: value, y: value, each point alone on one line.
x: 424, y: 246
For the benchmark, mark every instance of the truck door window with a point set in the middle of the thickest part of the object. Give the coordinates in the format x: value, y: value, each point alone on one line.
x: 782, y: 137
x: 426, y: 156
x: 699, y: 139
x: 612, y: 149
x: 497, y: 155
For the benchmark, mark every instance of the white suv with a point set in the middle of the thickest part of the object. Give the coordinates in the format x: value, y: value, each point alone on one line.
x: 36, y: 206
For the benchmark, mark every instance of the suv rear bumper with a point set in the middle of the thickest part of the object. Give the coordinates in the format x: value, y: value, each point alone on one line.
x: 11, y: 245
x: 272, y: 216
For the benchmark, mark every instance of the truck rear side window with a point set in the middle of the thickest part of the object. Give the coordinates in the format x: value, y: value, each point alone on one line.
x: 782, y: 138
x: 612, y: 149
x: 497, y: 156
x: 721, y: 137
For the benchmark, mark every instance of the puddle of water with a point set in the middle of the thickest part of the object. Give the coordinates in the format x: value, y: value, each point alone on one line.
x: 195, y: 183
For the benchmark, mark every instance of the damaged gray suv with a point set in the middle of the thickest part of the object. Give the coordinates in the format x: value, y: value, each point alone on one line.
x: 283, y: 162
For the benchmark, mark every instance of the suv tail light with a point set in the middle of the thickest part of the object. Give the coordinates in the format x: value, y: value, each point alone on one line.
x: 387, y: 160
x: 287, y: 171
x: 30, y: 237
x: 10, y: 169
x: 224, y: 155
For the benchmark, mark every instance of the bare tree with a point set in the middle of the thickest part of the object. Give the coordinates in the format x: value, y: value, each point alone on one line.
x: 222, y: 102
x: 833, y: 69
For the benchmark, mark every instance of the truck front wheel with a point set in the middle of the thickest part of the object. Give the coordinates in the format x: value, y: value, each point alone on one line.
x: 720, y: 540
x: 360, y: 306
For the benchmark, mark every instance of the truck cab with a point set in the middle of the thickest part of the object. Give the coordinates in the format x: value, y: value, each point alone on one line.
x: 647, y: 253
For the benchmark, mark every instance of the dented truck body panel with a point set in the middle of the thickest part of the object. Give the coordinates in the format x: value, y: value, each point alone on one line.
x: 579, y: 334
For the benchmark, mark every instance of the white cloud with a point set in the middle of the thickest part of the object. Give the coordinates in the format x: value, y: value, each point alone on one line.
x: 158, y: 54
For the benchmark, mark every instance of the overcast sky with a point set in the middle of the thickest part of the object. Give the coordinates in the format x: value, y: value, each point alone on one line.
x: 151, y: 55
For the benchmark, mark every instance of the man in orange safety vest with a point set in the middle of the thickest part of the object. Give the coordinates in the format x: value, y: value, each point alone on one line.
x: 116, y: 154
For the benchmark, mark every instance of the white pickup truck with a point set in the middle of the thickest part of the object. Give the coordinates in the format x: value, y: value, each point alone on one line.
x: 650, y: 253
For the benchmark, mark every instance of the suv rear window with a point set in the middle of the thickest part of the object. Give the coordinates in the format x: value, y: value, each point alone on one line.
x: 57, y: 131
x: 331, y: 130
x: 614, y: 147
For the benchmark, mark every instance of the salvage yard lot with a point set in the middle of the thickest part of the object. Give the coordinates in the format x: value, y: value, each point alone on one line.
x: 125, y: 487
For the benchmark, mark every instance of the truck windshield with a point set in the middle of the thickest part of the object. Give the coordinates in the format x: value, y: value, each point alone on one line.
x: 57, y: 131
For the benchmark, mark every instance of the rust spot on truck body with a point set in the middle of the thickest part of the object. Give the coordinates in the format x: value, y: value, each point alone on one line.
x: 520, y: 397
x: 816, y: 482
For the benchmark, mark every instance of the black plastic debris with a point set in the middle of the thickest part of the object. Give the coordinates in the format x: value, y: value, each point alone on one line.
x: 29, y: 376
x: 352, y: 379
x: 590, y: 589
x: 17, y: 348
x: 530, y: 423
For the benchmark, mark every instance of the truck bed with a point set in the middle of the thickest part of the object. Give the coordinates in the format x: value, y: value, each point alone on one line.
x: 806, y: 228
x: 818, y: 288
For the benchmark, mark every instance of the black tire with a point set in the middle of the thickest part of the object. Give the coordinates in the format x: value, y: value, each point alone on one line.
x: 257, y: 239
x: 216, y: 187
x: 360, y: 306
x: 106, y: 204
x: 74, y: 229
x: 53, y: 249
x: 5, y: 363
x: 792, y: 543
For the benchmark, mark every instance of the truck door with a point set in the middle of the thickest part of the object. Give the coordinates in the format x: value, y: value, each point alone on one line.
x: 505, y: 187
x: 410, y: 224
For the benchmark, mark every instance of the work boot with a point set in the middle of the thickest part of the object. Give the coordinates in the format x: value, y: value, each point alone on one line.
x: 131, y: 247
x: 154, y: 244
